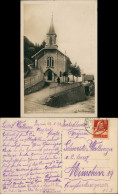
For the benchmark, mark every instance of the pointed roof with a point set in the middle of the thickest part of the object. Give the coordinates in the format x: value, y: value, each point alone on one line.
x: 46, y: 49
x: 51, y: 29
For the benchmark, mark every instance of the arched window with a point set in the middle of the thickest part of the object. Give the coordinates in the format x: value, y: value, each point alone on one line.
x: 50, y: 62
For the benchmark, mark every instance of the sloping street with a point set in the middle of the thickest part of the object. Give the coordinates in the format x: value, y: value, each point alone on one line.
x: 35, y: 103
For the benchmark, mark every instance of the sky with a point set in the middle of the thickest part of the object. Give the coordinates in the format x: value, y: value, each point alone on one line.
x: 75, y: 24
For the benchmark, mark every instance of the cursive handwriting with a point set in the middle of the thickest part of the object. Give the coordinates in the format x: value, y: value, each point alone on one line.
x: 77, y: 172
x: 54, y: 156
x: 31, y: 157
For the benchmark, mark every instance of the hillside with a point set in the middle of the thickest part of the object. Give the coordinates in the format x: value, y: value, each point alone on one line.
x: 29, y: 50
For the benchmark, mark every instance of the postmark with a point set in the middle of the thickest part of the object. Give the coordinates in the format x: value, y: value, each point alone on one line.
x: 89, y: 125
x: 100, y: 128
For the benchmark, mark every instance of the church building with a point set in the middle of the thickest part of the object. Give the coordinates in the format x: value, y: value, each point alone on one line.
x: 51, y: 62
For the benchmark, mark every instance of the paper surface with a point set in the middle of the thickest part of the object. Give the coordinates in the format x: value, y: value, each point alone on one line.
x: 58, y: 155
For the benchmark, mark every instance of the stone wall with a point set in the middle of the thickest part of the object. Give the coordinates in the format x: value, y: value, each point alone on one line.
x: 34, y: 88
x: 70, y: 96
x: 57, y: 88
x: 59, y: 62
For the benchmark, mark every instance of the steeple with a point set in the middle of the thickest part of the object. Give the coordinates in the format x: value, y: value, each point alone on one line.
x: 51, y: 36
x: 51, y: 29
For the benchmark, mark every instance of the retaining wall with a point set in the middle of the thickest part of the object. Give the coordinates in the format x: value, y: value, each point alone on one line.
x: 35, y: 87
x: 70, y: 96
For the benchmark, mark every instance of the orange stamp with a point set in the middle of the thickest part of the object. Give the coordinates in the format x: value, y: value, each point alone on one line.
x: 100, y: 129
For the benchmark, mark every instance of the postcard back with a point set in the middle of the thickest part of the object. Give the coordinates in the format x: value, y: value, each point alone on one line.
x: 58, y: 155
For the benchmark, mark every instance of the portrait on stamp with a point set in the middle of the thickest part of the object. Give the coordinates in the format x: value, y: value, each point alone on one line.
x: 59, y: 58
x: 100, y: 129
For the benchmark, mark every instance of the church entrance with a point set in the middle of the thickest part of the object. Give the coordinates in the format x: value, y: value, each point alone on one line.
x: 49, y: 75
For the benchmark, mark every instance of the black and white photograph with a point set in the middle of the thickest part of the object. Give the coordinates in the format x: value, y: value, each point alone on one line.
x: 59, y: 58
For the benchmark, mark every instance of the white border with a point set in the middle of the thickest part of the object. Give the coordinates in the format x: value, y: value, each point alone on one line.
x: 41, y: 115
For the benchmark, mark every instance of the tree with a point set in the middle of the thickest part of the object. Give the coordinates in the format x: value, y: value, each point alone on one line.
x: 26, y: 63
x: 27, y: 45
x: 75, y: 70
x: 68, y: 63
x: 78, y: 71
x: 65, y: 74
x: 29, y: 50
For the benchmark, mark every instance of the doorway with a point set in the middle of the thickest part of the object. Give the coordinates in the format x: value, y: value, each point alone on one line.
x: 49, y: 74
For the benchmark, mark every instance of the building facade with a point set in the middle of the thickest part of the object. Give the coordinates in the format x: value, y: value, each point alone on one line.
x: 50, y: 61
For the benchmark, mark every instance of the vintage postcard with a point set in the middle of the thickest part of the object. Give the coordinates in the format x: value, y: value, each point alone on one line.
x: 59, y: 58
x: 59, y: 155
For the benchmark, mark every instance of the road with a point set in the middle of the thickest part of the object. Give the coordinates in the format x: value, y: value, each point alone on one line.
x: 35, y: 103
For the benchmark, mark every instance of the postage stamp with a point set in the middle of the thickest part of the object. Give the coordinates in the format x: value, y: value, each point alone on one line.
x: 100, y: 128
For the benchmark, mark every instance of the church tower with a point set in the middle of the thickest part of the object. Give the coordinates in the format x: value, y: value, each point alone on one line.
x: 51, y: 37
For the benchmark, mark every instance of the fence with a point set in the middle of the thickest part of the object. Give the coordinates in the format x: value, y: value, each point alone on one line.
x: 32, y: 81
